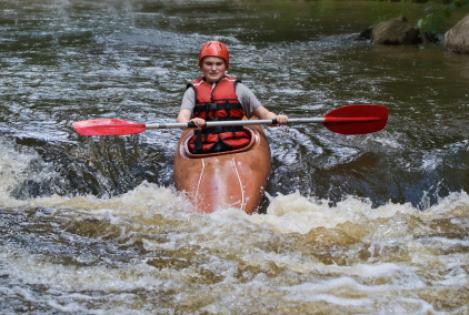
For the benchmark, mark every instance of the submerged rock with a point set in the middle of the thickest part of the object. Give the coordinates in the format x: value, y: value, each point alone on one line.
x: 457, y: 38
x: 397, y: 31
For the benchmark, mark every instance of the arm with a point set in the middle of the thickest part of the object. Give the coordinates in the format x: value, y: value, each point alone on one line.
x: 252, y: 105
x: 264, y: 113
x: 184, y: 115
x: 187, y: 105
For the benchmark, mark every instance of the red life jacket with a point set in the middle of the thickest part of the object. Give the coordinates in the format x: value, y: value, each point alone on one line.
x: 219, y: 103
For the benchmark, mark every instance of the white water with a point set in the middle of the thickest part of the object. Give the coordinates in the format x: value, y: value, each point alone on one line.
x: 302, y: 255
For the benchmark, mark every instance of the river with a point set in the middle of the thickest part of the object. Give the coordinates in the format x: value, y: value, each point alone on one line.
x: 371, y: 224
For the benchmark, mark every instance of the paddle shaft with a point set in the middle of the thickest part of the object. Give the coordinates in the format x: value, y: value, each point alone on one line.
x: 247, y: 122
x: 226, y: 123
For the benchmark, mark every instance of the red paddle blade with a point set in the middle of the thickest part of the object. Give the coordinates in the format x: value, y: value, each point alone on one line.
x: 107, y: 127
x: 357, y: 119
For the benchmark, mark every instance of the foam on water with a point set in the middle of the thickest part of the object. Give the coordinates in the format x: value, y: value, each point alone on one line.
x: 285, y: 213
x: 351, y: 255
x: 67, y: 289
x: 435, y: 158
x: 296, y: 213
x: 12, y: 170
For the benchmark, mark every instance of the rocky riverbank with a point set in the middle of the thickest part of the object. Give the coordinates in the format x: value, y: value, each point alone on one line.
x: 400, y: 31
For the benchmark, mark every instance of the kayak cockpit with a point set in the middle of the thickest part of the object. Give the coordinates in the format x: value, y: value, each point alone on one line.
x: 188, y: 136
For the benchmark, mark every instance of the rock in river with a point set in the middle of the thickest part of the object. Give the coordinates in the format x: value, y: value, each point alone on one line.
x: 397, y: 31
x: 457, y: 38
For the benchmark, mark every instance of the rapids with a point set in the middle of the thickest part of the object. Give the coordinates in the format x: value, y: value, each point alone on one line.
x: 373, y: 224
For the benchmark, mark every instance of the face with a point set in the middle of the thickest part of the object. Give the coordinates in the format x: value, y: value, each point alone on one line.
x: 213, y: 68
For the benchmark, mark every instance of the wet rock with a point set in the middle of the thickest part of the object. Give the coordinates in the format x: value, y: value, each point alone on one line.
x: 457, y: 38
x: 365, y: 34
x: 397, y: 31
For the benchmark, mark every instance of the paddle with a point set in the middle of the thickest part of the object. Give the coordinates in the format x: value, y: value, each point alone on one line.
x: 348, y: 119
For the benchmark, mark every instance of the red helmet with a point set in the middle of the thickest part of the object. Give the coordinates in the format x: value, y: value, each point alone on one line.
x: 214, y: 49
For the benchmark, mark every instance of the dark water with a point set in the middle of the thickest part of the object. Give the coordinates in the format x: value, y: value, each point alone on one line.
x: 94, y: 225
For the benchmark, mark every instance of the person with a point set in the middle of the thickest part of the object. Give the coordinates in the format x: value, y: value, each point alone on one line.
x: 219, y: 96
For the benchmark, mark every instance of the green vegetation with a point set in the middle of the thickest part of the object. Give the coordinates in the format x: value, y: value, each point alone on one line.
x: 437, y: 14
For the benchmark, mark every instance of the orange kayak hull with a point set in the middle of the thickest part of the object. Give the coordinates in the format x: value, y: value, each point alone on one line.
x: 234, y: 179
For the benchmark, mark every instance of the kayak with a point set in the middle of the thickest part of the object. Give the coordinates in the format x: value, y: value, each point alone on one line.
x: 231, y: 179
x: 235, y: 178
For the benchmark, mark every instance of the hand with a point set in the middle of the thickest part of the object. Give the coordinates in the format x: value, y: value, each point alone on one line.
x: 281, y: 119
x: 198, y: 122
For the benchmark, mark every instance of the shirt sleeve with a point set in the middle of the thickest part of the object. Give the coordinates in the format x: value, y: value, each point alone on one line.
x: 188, y: 100
x: 247, y: 99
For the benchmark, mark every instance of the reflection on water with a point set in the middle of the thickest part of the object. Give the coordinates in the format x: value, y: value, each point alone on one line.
x: 367, y: 224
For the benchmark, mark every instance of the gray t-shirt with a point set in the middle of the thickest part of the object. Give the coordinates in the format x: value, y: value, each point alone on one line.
x: 246, y: 97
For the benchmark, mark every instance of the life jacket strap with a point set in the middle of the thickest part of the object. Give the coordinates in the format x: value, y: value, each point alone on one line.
x: 218, y: 129
x: 211, y: 107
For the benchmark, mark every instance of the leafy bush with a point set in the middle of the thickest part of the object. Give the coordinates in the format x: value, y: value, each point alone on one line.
x: 437, y: 13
